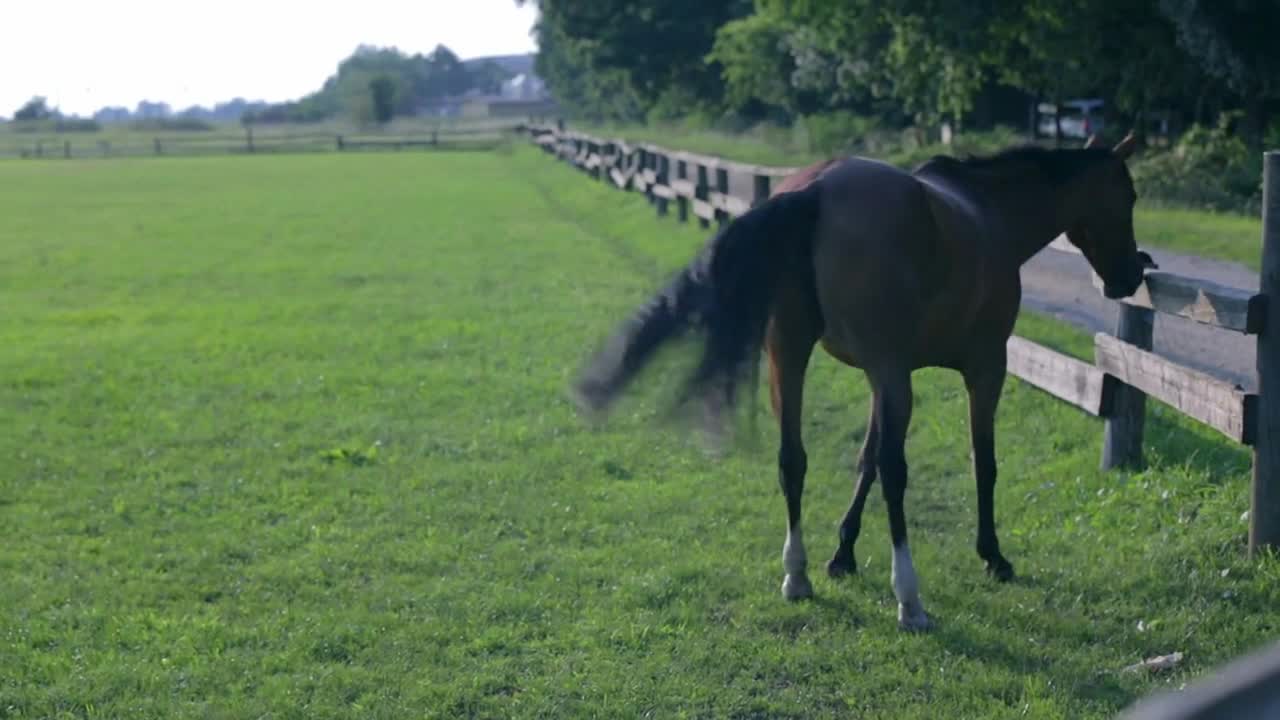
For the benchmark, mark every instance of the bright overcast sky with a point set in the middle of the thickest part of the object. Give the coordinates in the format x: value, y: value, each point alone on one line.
x: 84, y: 54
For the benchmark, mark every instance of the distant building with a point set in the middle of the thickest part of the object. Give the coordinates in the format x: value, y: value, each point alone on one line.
x: 524, y: 86
x: 499, y: 106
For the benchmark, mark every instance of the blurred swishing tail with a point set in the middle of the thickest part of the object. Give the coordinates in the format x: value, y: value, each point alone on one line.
x: 725, y: 294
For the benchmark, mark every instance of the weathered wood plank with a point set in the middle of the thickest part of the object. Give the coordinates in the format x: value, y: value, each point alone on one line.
x: 684, y: 188
x: 1217, y: 403
x: 729, y: 204
x: 665, y: 192
x: 707, y: 160
x: 703, y: 209
x: 1199, y: 300
x: 1062, y: 376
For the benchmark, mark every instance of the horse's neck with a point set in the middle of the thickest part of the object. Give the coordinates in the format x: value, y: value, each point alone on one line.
x: 1033, y: 215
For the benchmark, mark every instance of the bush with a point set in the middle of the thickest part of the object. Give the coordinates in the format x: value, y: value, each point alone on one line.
x: 1208, y: 168
x: 834, y: 133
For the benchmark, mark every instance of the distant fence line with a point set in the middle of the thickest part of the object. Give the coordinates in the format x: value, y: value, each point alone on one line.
x: 1113, y: 387
x: 85, y: 146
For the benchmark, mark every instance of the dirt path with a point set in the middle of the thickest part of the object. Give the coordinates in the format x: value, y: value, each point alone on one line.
x: 1059, y: 284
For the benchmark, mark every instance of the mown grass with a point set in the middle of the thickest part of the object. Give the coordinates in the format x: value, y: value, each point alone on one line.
x: 1217, y: 235
x: 287, y: 437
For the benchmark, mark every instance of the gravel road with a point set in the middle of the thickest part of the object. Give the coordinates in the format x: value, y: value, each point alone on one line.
x: 1060, y: 284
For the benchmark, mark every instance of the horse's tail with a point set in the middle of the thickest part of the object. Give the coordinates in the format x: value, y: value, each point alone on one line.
x: 726, y: 293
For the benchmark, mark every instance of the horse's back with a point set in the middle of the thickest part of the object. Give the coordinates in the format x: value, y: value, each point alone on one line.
x: 901, y: 272
x: 873, y: 255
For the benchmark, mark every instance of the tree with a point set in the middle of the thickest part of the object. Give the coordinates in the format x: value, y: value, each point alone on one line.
x: 382, y: 97
x: 646, y: 49
x: 35, y: 109
x: 1232, y: 41
x: 415, y: 80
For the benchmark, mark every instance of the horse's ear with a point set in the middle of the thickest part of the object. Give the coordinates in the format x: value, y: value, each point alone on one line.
x: 1091, y: 142
x: 1125, y: 147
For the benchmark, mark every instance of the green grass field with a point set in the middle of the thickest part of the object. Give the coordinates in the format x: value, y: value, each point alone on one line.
x: 286, y: 437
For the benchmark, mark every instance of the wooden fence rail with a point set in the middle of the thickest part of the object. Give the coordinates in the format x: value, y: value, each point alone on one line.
x: 1124, y: 372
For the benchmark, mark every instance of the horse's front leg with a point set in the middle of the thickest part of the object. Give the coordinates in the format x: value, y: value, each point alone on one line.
x: 984, y: 383
x: 843, y: 563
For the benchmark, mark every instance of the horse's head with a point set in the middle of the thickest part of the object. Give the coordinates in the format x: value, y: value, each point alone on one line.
x: 1104, y: 230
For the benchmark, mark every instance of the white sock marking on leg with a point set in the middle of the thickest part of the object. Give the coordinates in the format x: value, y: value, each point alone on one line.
x: 794, y: 559
x: 906, y: 587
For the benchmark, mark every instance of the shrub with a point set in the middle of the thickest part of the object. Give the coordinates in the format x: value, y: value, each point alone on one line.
x: 1208, y: 168
x: 834, y: 133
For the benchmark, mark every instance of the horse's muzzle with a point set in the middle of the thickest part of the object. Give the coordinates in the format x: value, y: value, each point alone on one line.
x: 1115, y: 291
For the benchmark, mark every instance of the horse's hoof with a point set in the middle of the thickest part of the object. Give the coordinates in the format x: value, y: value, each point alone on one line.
x: 913, y: 619
x: 839, y: 567
x: 1000, y: 569
x: 796, y: 586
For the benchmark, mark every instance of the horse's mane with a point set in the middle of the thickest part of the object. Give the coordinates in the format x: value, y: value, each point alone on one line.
x: 1058, y: 165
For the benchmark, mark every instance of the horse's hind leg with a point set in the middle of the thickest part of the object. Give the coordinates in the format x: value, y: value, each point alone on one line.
x: 843, y: 562
x: 893, y: 411
x: 790, y: 345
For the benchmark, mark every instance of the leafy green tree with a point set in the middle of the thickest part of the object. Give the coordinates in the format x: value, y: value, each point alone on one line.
x: 382, y: 98
x: 645, y: 50
x: 1234, y: 42
x: 37, y: 108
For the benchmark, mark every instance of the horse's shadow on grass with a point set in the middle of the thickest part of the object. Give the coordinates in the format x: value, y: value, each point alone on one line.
x: 844, y: 609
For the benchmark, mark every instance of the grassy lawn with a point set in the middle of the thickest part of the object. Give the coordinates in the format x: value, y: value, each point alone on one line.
x: 1221, y: 236
x: 287, y: 437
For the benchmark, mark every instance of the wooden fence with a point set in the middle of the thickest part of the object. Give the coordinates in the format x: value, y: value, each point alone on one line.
x: 1124, y: 372
x: 85, y: 145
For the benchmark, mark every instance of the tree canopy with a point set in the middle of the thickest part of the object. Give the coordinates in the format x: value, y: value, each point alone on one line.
x: 919, y: 61
x: 375, y: 84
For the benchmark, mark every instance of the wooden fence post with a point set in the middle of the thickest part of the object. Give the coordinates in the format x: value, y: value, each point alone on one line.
x: 248, y: 138
x: 761, y: 189
x: 39, y: 149
x: 662, y: 170
x: 66, y: 149
x: 722, y: 187
x: 339, y: 138
x: 159, y: 149
x: 647, y: 163
x: 1122, y: 436
x: 682, y: 202
x: 702, y: 191
x: 1264, y: 517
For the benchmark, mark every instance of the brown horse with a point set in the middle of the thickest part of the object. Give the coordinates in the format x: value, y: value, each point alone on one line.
x: 892, y: 271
